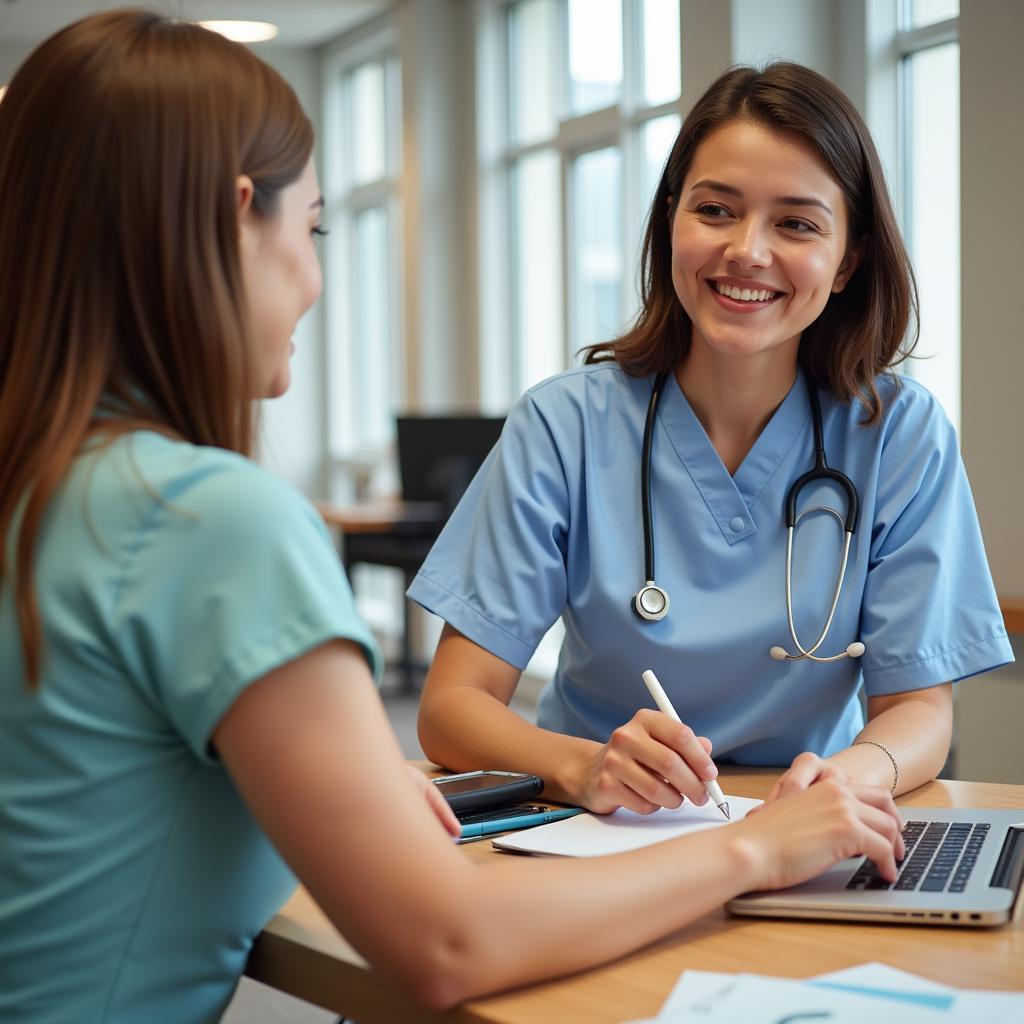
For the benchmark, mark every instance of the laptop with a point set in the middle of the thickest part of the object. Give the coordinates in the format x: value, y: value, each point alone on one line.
x: 963, y: 866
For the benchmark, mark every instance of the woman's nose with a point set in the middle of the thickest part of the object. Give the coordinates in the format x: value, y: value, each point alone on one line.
x: 749, y: 245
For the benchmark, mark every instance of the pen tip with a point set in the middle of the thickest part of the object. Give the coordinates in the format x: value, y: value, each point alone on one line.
x: 724, y: 808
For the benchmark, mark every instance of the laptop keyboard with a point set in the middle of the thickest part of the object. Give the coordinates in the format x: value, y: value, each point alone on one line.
x: 940, y: 857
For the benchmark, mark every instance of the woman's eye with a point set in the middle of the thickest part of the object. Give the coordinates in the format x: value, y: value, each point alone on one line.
x: 713, y: 210
x: 318, y: 232
x: 795, y: 224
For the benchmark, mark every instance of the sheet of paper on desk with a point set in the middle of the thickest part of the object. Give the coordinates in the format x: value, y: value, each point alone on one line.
x: 592, y: 835
x: 881, y: 979
x: 869, y: 992
x: 752, y: 999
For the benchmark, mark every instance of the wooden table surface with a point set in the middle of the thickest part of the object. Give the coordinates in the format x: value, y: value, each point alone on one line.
x: 301, y: 953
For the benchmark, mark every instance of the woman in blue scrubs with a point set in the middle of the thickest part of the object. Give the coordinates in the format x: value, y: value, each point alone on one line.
x: 772, y: 265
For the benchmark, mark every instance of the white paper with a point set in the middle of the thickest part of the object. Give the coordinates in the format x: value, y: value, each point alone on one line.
x: 890, y: 994
x: 593, y: 835
x: 752, y: 999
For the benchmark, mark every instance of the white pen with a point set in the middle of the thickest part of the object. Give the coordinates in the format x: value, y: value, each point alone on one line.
x: 665, y: 707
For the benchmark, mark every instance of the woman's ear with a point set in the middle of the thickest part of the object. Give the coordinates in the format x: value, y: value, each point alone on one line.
x: 851, y: 261
x: 245, y: 191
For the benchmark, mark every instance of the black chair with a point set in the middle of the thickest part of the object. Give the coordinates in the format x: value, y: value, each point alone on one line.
x: 437, y: 458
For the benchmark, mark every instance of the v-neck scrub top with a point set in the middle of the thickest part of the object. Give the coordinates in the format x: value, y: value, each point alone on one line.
x: 552, y: 526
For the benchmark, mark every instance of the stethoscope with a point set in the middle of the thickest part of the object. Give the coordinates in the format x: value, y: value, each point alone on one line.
x: 651, y: 602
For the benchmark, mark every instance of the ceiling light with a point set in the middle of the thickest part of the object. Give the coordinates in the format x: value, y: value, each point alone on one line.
x: 243, y: 31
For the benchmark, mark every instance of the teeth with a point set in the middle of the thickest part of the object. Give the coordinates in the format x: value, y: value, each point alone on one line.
x: 745, y: 294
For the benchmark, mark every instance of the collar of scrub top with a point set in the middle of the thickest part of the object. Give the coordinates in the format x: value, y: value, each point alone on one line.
x: 651, y: 602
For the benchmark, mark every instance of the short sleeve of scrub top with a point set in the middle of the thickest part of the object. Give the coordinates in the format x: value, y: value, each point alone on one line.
x: 262, y: 584
x: 552, y: 526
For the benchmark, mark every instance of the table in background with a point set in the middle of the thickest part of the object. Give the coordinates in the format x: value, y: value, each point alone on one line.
x: 394, y: 533
x: 301, y: 953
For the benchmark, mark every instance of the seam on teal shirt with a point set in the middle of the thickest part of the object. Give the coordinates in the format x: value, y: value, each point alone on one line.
x: 303, y: 632
x: 144, y: 902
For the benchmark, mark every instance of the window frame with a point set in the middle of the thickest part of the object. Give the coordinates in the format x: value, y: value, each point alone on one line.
x: 351, y: 455
x: 617, y: 126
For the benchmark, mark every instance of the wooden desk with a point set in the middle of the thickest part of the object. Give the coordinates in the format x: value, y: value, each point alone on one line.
x: 300, y: 952
x: 383, y: 515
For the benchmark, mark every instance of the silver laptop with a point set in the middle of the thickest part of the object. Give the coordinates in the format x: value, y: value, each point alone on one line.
x: 963, y: 866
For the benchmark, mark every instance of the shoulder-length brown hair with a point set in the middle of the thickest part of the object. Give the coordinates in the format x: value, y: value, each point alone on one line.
x: 863, y: 330
x: 121, y: 140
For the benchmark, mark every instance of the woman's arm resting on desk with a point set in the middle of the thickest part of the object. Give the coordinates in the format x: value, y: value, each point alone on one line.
x: 465, y: 723
x: 311, y: 751
x: 915, y: 727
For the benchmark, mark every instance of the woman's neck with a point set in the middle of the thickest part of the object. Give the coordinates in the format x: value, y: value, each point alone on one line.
x: 734, y: 397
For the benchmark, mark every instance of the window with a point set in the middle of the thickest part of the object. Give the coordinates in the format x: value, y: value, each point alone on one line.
x: 361, y: 258
x: 579, y: 112
x: 930, y: 152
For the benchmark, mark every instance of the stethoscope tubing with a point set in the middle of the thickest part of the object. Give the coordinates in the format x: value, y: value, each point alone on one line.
x: 651, y: 602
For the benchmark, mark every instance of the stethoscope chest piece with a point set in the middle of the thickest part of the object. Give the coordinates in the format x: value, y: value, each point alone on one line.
x: 650, y: 602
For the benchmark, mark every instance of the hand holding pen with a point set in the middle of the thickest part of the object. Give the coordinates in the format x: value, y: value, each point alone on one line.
x: 650, y: 762
x: 665, y: 706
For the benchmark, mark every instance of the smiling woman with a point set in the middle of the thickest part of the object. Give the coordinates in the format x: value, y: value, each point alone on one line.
x: 777, y: 299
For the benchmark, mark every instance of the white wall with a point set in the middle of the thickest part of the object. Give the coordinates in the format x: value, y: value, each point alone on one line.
x: 990, y: 710
x: 799, y: 30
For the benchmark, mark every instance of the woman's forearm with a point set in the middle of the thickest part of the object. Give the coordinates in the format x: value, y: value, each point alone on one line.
x: 464, y: 728
x: 915, y: 727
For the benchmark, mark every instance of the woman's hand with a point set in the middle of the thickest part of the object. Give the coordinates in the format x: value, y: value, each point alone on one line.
x: 804, y: 833
x: 435, y: 801
x: 805, y: 771
x: 648, y: 763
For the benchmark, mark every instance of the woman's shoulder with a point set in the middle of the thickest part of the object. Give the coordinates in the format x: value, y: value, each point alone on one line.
x: 596, y: 386
x: 150, y: 471
x: 908, y: 408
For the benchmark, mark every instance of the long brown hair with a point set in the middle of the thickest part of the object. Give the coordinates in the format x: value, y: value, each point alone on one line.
x: 121, y: 140
x: 863, y: 330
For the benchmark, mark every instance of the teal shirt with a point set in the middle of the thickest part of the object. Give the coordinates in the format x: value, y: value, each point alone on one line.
x: 133, y: 879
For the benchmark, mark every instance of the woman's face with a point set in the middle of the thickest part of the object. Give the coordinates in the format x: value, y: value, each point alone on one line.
x: 759, y: 240
x: 282, y: 274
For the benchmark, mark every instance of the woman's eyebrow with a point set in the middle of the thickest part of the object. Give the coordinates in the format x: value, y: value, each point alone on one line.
x: 718, y: 186
x: 317, y: 204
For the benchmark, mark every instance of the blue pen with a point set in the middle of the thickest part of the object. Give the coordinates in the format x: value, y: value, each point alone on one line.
x: 486, y: 828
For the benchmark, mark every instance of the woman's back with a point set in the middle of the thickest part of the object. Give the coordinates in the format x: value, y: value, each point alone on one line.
x: 124, y: 847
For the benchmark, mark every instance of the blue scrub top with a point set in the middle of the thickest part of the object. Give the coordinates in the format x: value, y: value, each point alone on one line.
x: 551, y: 526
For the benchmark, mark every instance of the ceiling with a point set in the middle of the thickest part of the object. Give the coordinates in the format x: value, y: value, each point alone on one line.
x: 303, y: 23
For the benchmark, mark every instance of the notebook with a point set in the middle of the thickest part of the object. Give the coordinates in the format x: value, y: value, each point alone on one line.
x: 963, y: 866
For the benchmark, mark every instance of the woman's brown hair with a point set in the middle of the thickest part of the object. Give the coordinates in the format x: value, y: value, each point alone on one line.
x: 121, y: 141
x: 863, y: 330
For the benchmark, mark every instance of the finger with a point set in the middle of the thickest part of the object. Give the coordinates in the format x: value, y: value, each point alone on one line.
x: 879, y: 842
x: 442, y: 809
x: 882, y: 801
x: 677, y: 756
x: 804, y: 771
x: 706, y: 744
x: 634, y: 801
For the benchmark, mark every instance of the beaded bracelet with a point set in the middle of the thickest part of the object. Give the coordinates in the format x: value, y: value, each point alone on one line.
x: 895, y: 766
